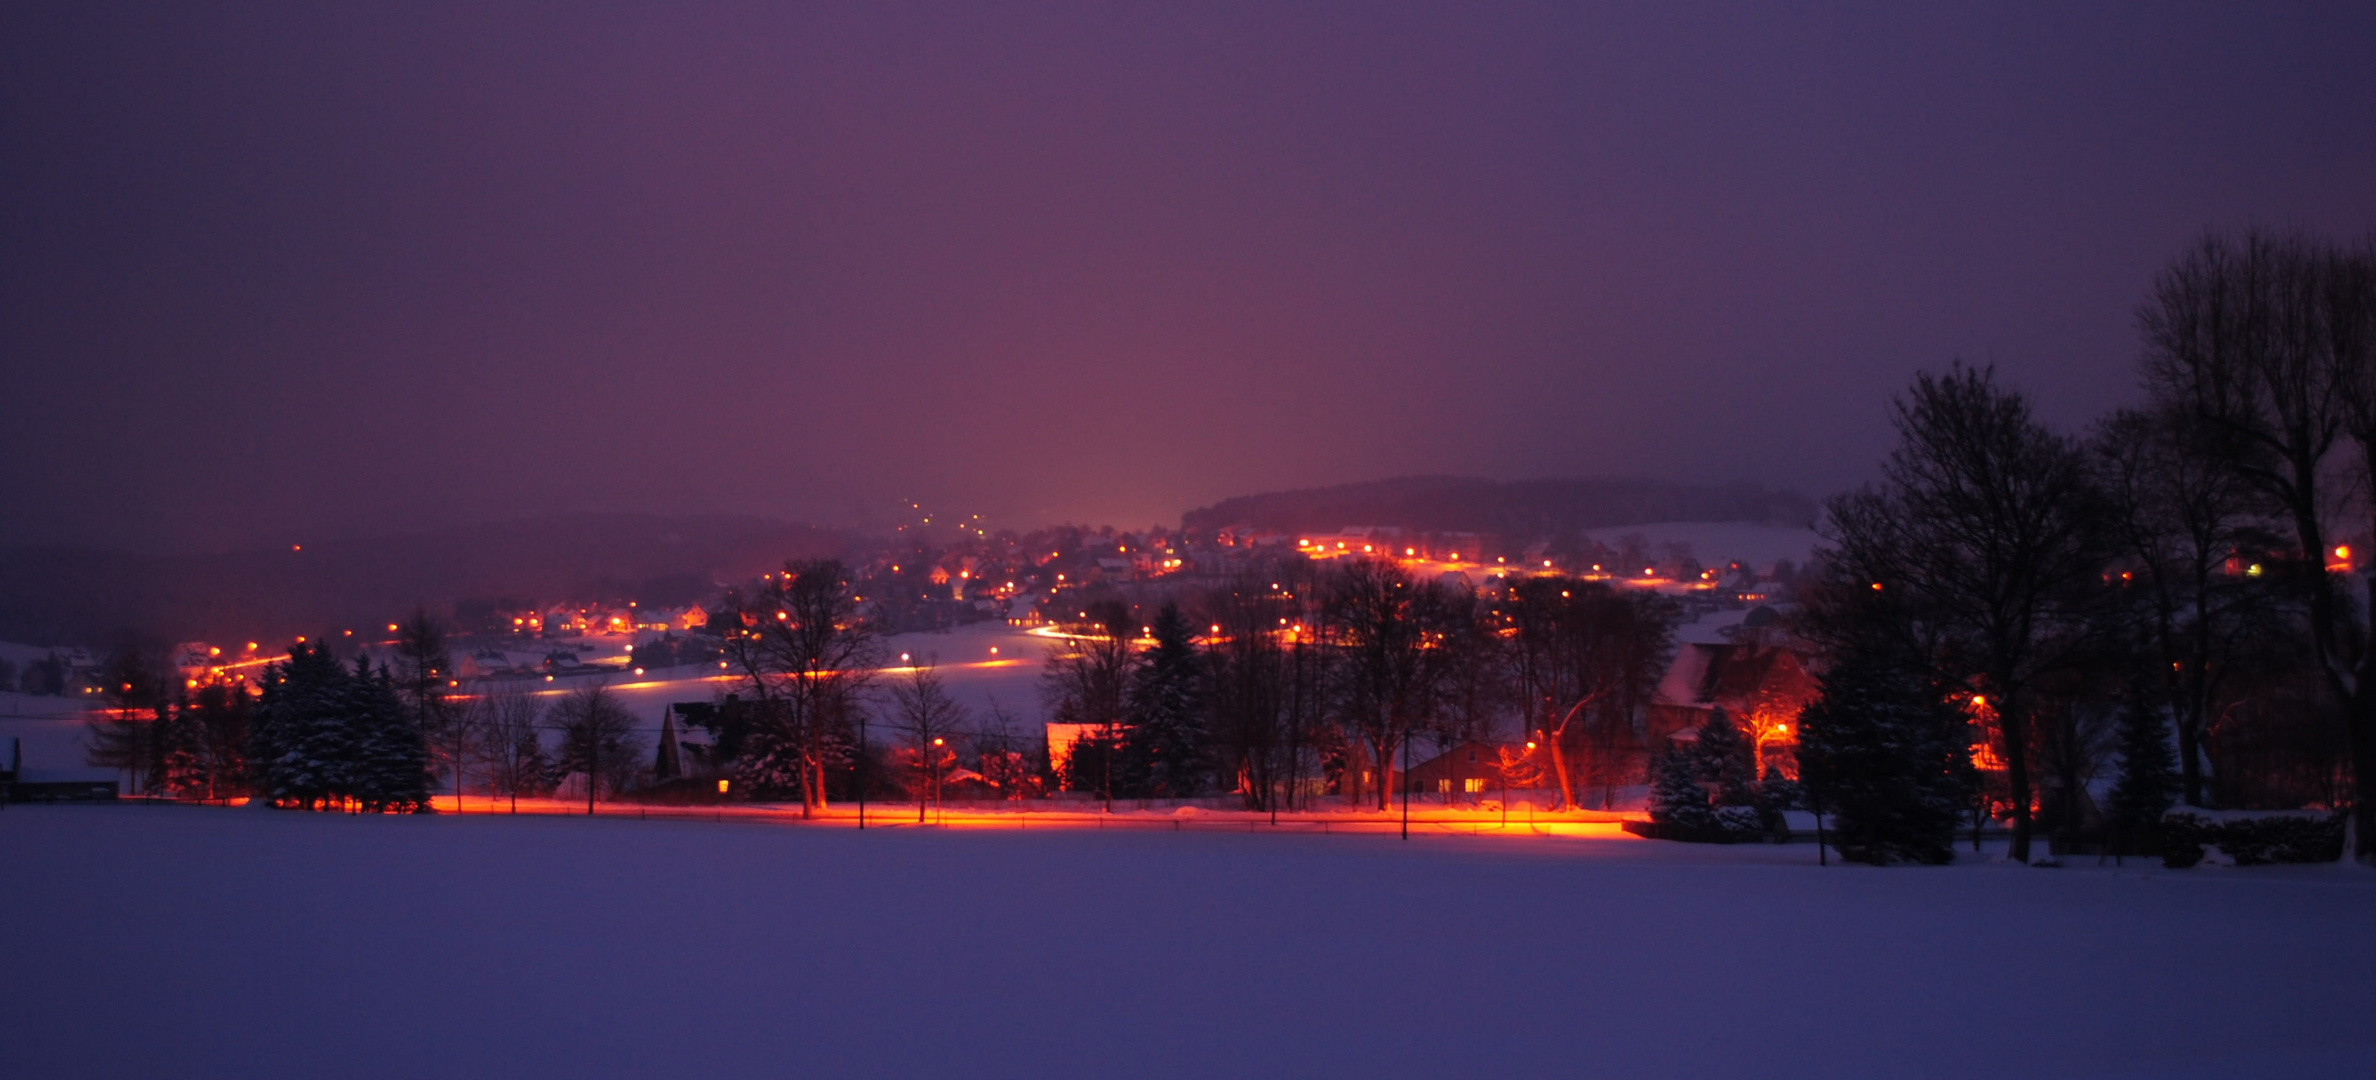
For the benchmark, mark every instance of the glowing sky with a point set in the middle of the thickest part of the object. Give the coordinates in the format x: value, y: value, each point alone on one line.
x: 304, y: 269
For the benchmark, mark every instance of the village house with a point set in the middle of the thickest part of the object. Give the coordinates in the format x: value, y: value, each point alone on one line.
x: 1758, y: 676
x: 1468, y: 768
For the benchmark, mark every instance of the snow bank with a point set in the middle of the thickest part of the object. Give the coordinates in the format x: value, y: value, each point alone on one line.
x: 169, y: 941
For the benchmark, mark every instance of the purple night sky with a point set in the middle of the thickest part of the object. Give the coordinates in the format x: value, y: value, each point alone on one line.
x: 280, y: 271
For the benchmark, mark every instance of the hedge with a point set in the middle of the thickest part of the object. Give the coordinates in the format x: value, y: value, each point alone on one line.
x: 2251, y: 840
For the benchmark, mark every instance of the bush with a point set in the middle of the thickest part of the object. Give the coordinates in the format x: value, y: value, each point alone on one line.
x: 1723, y: 825
x: 2251, y: 840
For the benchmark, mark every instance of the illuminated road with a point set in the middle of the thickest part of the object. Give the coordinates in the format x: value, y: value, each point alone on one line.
x: 1427, y: 819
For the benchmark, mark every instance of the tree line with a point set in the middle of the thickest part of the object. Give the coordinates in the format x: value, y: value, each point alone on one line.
x: 2184, y: 585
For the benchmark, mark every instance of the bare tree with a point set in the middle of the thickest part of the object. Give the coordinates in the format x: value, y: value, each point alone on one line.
x: 1087, y: 680
x: 511, y: 724
x: 425, y: 674
x: 806, y: 653
x: 1006, y: 758
x: 928, y: 718
x: 1247, y: 669
x: 1585, y: 659
x: 2179, y: 516
x: 1984, y: 537
x: 2270, y: 342
x: 597, y: 736
x: 1388, y: 634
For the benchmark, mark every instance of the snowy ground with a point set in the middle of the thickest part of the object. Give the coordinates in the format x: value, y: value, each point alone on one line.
x: 180, y: 941
x: 50, y: 733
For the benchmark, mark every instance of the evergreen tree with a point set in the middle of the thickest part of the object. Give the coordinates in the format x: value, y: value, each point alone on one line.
x: 322, y: 735
x: 1888, y: 755
x: 1725, y: 759
x: 1676, y: 795
x: 2148, y: 776
x: 300, y: 746
x: 187, y: 771
x: 1775, y: 794
x: 1166, y: 741
x: 390, y: 768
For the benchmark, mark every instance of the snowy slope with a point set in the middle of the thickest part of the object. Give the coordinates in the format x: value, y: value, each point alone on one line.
x: 1715, y: 543
x: 161, y: 941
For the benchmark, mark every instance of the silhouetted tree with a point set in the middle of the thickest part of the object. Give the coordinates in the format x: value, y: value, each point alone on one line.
x: 928, y: 721
x: 324, y: 736
x: 2144, y: 791
x: 596, y: 735
x: 1886, y: 753
x: 1586, y: 659
x: 1385, y: 630
x: 1247, y: 687
x: 2269, y: 342
x: 511, y: 727
x: 806, y: 653
x: 425, y: 672
x: 2180, y: 516
x: 1985, y: 539
x: 1165, y: 712
x: 1086, y: 681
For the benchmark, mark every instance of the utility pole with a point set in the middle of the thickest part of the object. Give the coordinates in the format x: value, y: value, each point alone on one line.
x: 861, y: 770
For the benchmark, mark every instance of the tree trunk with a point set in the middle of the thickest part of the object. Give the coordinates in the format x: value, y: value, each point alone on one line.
x: 2017, y: 777
x: 2360, y: 721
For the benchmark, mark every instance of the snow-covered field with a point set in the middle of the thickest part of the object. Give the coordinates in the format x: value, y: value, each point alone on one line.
x: 179, y: 941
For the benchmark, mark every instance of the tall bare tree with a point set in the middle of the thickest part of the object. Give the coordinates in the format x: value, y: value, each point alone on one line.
x: 2270, y: 341
x: 928, y: 720
x: 597, y: 736
x: 1247, y: 678
x: 1087, y: 681
x: 1388, y: 633
x: 2179, y: 517
x: 511, y: 726
x: 807, y: 653
x: 425, y: 674
x: 1585, y: 659
x: 1985, y: 534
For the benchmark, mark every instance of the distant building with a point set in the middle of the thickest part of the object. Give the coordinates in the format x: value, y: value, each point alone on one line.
x: 1024, y: 610
x: 1759, y: 678
x: 1469, y: 768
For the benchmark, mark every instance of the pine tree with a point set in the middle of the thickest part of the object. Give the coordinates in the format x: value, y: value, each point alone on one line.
x: 1676, y: 795
x: 2148, y: 776
x: 300, y: 746
x: 1724, y: 758
x: 187, y: 772
x: 1775, y: 794
x: 1888, y: 756
x: 1166, y: 739
x: 390, y: 769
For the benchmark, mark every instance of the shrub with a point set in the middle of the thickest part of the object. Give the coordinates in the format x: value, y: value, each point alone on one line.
x: 2251, y: 840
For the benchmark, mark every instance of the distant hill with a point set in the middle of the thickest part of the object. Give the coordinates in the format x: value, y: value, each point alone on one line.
x: 1517, y: 510
x: 54, y: 595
